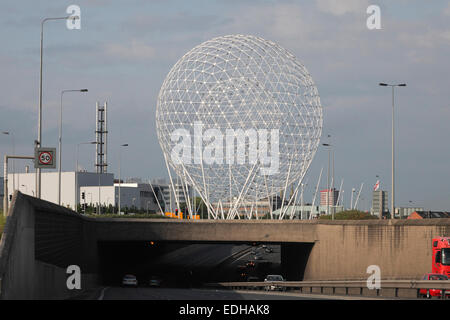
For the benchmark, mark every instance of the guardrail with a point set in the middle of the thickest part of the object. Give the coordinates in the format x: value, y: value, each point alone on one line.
x: 388, y: 288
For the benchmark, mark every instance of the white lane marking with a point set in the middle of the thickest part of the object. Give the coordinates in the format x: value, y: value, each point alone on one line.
x: 102, y: 294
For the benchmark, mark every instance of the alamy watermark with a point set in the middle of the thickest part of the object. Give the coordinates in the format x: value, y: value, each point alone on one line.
x: 374, y: 280
x: 74, y: 20
x: 234, y: 146
x: 374, y: 20
x: 74, y: 280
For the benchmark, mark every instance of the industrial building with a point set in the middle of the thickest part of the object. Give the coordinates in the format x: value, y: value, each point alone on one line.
x: 92, y: 188
x: 133, y: 195
x: 169, y: 199
x: 259, y: 209
x: 405, y: 212
x: 429, y: 215
x: 308, y: 211
x: 70, y: 182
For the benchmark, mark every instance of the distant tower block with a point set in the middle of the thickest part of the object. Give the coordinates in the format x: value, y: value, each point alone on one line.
x: 101, y: 134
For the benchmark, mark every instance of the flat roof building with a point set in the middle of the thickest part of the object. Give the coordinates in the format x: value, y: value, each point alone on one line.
x: 404, y: 212
x: 429, y: 215
x: 133, y: 195
x: 49, y: 185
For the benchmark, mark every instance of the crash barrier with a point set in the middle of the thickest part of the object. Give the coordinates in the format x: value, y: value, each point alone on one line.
x: 387, y: 288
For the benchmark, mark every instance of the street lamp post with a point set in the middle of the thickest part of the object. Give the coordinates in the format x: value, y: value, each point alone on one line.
x: 60, y: 140
x: 39, y: 139
x: 9, y: 133
x: 393, y: 159
x: 328, y: 179
x: 120, y: 153
x: 77, y: 188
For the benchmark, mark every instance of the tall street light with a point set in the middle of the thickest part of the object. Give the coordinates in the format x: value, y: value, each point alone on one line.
x: 9, y: 133
x: 77, y: 188
x: 328, y: 179
x: 60, y: 140
x: 39, y: 139
x: 393, y: 161
x: 120, y: 154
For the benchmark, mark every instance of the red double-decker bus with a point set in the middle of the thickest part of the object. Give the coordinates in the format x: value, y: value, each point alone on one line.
x: 441, y: 256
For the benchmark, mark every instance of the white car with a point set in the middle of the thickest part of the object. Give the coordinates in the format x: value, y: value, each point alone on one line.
x: 273, y: 286
x: 129, y: 280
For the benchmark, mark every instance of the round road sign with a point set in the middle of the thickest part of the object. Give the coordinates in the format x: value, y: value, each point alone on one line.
x: 45, y: 157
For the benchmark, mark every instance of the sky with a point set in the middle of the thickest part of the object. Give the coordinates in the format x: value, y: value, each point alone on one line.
x: 124, y: 50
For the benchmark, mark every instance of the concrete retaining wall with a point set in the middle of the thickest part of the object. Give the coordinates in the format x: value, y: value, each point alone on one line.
x: 31, y: 268
x: 41, y: 240
x: 401, y: 248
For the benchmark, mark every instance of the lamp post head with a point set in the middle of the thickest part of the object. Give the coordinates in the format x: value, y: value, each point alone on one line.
x: 402, y: 85
x: 383, y: 84
x: 84, y: 90
x: 5, y: 132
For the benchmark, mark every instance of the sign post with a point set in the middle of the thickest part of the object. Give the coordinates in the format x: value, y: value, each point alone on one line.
x: 45, y: 158
x: 5, y: 182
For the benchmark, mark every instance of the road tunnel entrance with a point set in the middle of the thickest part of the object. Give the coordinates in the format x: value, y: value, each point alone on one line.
x: 294, y: 257
x: 186, y: 264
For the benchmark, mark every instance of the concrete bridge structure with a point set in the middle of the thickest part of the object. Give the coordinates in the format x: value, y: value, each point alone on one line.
x: 42, y: 239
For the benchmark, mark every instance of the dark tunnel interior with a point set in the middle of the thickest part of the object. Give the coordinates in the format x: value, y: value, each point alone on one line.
x: 193, y: 264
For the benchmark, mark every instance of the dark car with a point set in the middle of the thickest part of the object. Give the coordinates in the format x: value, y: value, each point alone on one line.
x: 155, y: 281
x: 253, y: 279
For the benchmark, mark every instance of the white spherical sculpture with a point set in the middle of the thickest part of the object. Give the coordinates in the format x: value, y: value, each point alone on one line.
x: 238, y: 87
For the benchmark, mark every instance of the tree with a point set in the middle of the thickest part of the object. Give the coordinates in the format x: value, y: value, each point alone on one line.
x: 349, y: 215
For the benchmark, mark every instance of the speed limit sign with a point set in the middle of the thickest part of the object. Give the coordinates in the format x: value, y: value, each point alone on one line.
x: 45, y: 158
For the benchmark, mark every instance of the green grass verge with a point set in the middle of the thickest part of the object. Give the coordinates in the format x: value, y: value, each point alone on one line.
x: 2, y: 222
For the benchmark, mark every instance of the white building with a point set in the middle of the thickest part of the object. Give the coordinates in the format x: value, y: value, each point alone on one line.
x: 132, y: 195
x: 49, y: 184
x: 98, y: 188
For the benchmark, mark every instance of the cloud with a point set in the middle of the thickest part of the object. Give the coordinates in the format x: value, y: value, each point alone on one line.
x: 447, y: 10
x: 134, y: 50
x: 345, y: 59
x: 339, y: 7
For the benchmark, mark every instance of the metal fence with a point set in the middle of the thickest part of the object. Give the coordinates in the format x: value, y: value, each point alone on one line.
x: 388, y: 288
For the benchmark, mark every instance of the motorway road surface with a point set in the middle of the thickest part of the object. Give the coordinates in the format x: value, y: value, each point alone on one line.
x: 119, y: 293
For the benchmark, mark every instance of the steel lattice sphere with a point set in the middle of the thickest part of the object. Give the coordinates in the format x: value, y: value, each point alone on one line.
x: 238, y: 85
